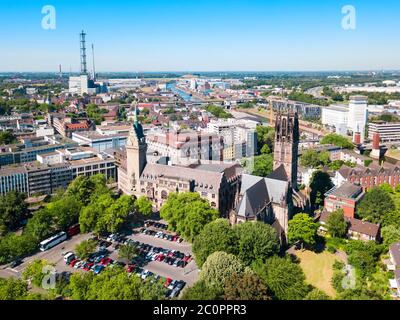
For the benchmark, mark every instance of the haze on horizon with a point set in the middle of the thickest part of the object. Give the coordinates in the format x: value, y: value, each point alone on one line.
x: 222, y: 35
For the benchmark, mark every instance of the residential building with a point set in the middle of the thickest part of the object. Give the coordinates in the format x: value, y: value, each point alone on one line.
x: 345, y: 197
x: 356, y: 229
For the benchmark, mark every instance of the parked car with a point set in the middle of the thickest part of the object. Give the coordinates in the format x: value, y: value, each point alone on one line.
x: 79, y: 264
x: 88, y: 266
x: 73, y: 262
x: 16, y: 263
x: 172, y: 284
x: 98, y: 268
x: 174, y: 293
x: 167, y: 282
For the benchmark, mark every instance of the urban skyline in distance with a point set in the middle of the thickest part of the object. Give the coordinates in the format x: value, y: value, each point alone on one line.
x: 174, y: 36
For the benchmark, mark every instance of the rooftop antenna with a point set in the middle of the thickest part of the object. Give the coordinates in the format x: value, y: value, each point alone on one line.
x: 60, y: 70
x: 94, y: 67
x: 83, y: 53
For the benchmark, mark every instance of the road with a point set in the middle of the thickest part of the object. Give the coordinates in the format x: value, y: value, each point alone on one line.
x: 316, y: 92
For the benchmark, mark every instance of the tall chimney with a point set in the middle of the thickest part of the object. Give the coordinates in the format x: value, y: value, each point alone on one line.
x: 376, y: 139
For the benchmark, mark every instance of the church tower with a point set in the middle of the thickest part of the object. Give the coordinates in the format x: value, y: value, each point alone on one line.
x: 136, y: 148
x: 287, y: 145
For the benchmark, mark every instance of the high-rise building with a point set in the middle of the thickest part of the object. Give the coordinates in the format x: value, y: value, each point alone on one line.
x: 358, y: 115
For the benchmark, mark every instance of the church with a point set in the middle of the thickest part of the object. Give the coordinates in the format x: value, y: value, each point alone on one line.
x: 238, y: 196
x: 274, y: 199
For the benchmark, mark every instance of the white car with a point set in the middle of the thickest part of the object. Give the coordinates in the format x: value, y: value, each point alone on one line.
x: 144, y: 274
x: 159, y: 234
x: 79, y: 264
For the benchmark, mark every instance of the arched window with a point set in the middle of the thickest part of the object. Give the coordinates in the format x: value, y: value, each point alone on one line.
x: 213, y: 204
x: 164, y: 194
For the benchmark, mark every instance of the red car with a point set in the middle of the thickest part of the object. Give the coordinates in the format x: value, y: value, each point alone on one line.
x: 187, y: 258
x: 130, y: 268
x: 88, y: 266
x: 160, y: 257
x: 106, y: 261
x: 167, y: 282
x: 73, y: 262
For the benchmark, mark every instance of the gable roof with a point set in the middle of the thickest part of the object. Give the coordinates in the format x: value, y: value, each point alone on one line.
x: 279, y: 174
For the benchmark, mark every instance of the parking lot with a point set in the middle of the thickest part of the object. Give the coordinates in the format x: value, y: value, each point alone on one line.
x: 184, y: 271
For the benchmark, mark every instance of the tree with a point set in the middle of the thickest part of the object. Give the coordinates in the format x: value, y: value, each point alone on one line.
x: 88, y: 190
x: 336, y: 224
x: 337, y: 140
x: 41, y: 225
x: 302, y: 228
x: 218, y: 267
x: 284, y: 278
x: 7, y: 137
x: 187, y: 214
x: 390, y: 235
x: 375, y: 205
x: 13, y: 246
x: 13, y: 289
x: 36, y: 271
x: 91, y: 214
x: 144, y: 206
x: 64, y: 212
x: 247, y: 286
x: 115, y: 216
x: 216, y: 236
x: 13, y: 209
x: 256, y: 241
x: 85, y: 248
x: 320, y: 184
x: 114, y: 284
x: 314, y: 159
x: 263, y: 165
x: 201, y: 291
x: 265, y: 139
x: 316, y: 294
x: 127, y: 252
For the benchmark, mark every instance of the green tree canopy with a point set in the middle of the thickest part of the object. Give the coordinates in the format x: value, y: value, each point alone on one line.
x: 256, y: 241
x: 284, y: 278
x: 187, y: 213
x: 302, y: 228
x: 320, y: 184
x: 7, y: 137
x: 375, y: 205
x: 64, y: 212
x: 246, y: 286
x: 336, y: 224
x: 216, y: 236
x: 316, y: 294
x: 36, y: 271
x: 13, y: 209
x: 218, y: 267
x: 13, y: 289
x: 390, y: 235
x: 337, y: 140
x: 127, y: 252
x: 144, y: 206
x: 314, y: 159
x: 85, y: 248
x: 201, y: 291
x: 263, y: 165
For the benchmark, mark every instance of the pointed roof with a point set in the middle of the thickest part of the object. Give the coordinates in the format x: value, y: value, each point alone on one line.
x: 279, y: 174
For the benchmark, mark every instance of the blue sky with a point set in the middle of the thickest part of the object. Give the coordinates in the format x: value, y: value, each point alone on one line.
x: 203, y: 35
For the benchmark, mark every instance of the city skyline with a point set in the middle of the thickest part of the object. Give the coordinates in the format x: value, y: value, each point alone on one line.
x: 174, y: 36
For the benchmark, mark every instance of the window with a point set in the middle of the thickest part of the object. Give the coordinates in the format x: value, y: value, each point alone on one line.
x: 164, y: 195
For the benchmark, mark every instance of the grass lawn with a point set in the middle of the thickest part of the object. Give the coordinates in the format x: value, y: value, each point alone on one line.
x: 318, y: 268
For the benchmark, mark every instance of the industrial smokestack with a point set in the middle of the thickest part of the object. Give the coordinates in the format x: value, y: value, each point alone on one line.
x: 83, y: 53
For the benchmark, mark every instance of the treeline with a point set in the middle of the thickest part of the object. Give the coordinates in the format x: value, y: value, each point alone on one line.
x: 87, y: 200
